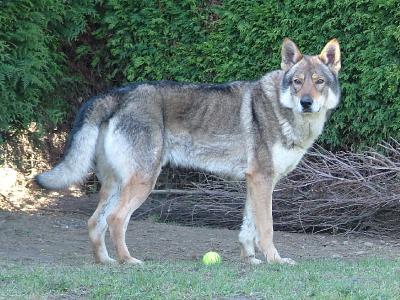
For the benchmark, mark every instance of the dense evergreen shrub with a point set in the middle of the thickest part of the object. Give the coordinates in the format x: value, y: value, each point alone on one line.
x: 33, y: 73
x: 209, y: 41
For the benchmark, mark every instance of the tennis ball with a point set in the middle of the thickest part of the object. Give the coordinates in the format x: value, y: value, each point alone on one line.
x: 211, y: 258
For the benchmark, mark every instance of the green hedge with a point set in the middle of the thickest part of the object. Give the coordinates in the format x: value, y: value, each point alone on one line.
x: 34, y: 77
x: 217, y: 41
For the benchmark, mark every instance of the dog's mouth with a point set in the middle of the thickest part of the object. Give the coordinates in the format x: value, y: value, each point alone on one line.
x: 309, y: 111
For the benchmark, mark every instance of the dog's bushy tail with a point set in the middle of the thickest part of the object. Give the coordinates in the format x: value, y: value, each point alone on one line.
x: 81, y: 145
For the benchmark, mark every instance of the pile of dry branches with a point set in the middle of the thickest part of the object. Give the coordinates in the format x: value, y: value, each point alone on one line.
x: 335, y: 192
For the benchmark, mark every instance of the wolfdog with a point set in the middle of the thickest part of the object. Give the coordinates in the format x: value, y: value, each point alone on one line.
x: 258, y: 130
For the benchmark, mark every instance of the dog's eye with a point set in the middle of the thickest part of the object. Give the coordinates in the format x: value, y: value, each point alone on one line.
x: 297, y: 81
x: 320, y: 81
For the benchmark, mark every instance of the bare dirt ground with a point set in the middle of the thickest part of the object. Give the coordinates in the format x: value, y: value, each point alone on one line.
x: 58, y: 234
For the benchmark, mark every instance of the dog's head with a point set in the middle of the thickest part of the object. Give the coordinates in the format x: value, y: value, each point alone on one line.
x: 310, y: 83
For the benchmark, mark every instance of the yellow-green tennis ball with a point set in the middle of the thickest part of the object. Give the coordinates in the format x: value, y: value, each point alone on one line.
x: 211, y: 258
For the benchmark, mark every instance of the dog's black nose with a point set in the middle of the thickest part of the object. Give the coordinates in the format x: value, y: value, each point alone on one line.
x: 306, y: 102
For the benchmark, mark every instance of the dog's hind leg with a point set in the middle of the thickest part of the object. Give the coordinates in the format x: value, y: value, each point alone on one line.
x: 109, y: 196
x: 134, y: 144
x: 97, y: 224
x: 133, y: 194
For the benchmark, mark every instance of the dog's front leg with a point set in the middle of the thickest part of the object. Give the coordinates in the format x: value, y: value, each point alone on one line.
x: 248, y: 235
x: 260, y: 187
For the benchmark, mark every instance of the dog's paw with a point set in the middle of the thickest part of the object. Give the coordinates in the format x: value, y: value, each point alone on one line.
x: 132, y: 261
x: 273, y: 257
x: 288, y: 261
x: 106, y: 261
x: 254, y: 261
x: 251, y: 259
x: 110, y: 261
x: 280, y: 260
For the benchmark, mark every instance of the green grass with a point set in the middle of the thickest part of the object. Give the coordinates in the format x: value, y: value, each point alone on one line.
x: 319, y: 279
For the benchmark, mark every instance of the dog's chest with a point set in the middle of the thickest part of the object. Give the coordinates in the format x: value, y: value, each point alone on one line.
x: 284, y: 159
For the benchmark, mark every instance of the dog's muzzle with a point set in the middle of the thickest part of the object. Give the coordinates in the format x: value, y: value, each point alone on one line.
x: 306, y: 103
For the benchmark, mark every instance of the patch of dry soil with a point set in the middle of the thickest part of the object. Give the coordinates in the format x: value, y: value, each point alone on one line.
x: 59, y: 236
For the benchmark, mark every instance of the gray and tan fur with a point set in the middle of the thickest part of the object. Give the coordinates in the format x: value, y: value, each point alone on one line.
x: 257, y: 130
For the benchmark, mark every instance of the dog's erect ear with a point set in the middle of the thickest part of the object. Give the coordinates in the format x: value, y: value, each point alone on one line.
x: 330, y: 55
x: 290, y: 54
